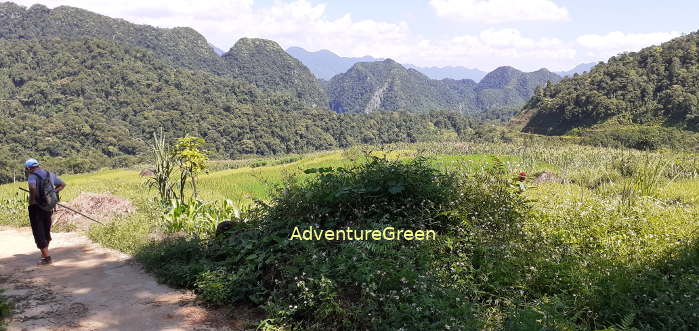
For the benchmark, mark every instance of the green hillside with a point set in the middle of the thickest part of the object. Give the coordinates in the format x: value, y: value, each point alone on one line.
x: 179, y: 46
x: 260, y: 62
x: 658, y: 85
x: 386, y: 85
x: 507, y: 87
x: 266, y: 65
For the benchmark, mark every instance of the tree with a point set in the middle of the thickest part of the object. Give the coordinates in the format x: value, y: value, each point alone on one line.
x: 191, y: 162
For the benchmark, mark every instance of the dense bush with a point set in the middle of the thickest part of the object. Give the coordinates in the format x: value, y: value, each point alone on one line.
x: 197, y: 217
x: 641, y: 138
x: 360, y: 284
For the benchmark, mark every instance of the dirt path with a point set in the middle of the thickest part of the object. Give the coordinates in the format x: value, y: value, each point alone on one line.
x: 89, y: 287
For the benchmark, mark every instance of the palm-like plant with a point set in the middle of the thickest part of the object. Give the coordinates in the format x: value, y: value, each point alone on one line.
x: 163, y: 166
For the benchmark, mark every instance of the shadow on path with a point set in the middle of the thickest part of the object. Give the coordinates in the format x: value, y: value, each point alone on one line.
x: 89, y: 287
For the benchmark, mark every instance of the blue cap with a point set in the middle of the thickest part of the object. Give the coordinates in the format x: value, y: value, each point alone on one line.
x: 31, y: 163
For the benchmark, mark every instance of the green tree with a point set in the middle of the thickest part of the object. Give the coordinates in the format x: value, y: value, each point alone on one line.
x: 191, y: 162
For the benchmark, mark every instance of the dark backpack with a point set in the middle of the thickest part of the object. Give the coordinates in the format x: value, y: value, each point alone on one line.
x: 47, y: 197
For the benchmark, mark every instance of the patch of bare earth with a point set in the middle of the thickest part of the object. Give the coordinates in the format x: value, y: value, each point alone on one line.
x: 102, y: 207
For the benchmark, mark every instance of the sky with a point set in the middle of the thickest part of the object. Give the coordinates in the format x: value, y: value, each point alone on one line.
x: 483, y: 34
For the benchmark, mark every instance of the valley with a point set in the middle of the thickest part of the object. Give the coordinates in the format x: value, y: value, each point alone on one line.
x: 562, y: 199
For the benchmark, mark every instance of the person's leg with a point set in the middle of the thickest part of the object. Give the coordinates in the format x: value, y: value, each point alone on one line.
x: 36, y: 221
x: 40, y: 231
x: 47, y: 222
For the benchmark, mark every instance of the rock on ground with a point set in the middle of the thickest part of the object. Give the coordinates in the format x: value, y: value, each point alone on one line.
x: 547, y: 177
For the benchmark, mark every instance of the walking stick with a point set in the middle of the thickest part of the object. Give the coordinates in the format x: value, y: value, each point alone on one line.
x: 71, y: 209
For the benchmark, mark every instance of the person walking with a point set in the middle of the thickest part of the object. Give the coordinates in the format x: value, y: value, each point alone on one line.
x: 43, y: 196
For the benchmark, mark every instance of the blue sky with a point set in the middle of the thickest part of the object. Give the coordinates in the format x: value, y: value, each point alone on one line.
x: 484, y: 34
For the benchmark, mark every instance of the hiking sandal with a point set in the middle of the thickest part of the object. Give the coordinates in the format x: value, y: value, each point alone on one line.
x: 45, y: 261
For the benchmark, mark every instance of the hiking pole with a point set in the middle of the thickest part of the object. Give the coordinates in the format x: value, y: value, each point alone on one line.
x: 71, y: 209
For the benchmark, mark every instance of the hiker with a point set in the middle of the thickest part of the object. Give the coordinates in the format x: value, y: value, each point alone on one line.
x: 43, y: 196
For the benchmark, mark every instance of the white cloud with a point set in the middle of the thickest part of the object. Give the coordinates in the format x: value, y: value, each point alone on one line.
x: 302, y: 23
x: 619, y: 41
x: 492, y: 48
x: 290, y: 23
x: 500, y: 11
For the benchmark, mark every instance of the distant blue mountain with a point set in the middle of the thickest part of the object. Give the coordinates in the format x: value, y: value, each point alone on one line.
x: 579, y: 69
x: 216, y: 49
x: 450, y: 72
x: 326, y: 64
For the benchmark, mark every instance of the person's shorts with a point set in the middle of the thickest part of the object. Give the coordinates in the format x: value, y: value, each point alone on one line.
x: 41, y: 226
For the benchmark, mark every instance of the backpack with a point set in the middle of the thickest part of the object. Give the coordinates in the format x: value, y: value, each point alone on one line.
x: 47, y: 197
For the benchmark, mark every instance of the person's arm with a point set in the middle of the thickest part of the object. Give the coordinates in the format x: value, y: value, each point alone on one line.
x: 32, y: 191
x: 60, y: 184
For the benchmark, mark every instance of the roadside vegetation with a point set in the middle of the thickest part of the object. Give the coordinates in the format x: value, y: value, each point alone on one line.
x: 532, y: 234
x: 646, y: 138
x: 5, y: 310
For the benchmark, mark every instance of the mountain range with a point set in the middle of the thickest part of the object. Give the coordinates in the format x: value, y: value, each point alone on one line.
x: 325, y: 64
x: 388, y: 86
x: 92, y: 90
x: 355, y: 85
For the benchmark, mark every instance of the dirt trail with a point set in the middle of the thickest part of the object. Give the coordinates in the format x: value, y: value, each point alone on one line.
x: 89, y: 287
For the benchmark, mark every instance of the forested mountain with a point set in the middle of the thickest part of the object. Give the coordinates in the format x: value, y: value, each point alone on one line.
x: 508, y: 89
x: 179, y: 46
x: 260, y: 62
x: 266, y: 65
x: 90, y: 101
x: 657, y: 85
x: 325, y: 64
x: 386, y: 85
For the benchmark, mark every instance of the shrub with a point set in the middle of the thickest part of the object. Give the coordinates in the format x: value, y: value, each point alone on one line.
x: 370, y: 284
x: 177, y: 262
x: 197, y: 218
x: 5, y: 310
x: 641, y: 138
